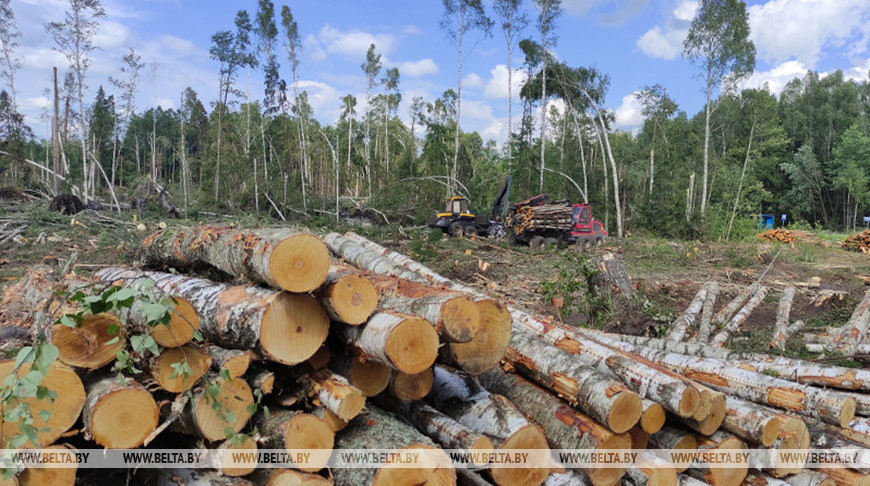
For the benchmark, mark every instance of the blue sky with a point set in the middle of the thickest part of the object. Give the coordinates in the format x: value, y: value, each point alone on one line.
x: 637, y: 42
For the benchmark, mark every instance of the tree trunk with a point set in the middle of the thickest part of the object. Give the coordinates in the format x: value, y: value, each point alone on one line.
x: 55, y: 476
x: 725, y: 313
x: 348, y: 295
x: 674, y: 440
x: 404, y: 342
x: 409, y: 388
x: 719, y: 476
x: 193, y: 477
x: 781, y: 336
x: 651, y: 470
x: 232, y: 466
x: 287, y: 328
x: 740, y: 185
x: 235, y: 361
x: 50, y: 417
x: 830, y: 406
x: 282, y: 477
x: 119, y: 415
x: 734, y: 324
x: 706, y: 149
x: 369, y: 376
x: 170, y: 368
x: 564, y: 427
x: 463, y: 399
x: 653, y: 417
x: 612, y: 285
x: 681, y: 326
x: 705, y: 326
x: 336, y: 394
x: 604, y: 399
x: 381, y: 430
x: 284, y: 259
x: 261, y: 379
x: 854, y: 331
x: 217, y: 406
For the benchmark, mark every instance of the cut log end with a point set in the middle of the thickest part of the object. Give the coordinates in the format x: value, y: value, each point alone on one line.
x: 436, y: 469
x: 690, y: 400
x: 607, y: 474
x: 847, y: 413
x: 290, y: 477
x: 235, y: 361
x: 489, y: 345
x: 527, y: 437
x: 482, y: 449
x: 299, y: 263
x: 352, y: 299
x: 718, y: 409
x: 171, y: 361
x: 686, y: 443
x: 729, y: 476
x: 626, y: 411
x: 64, y: 410
x: 409, y: 388
x: 183, y: 321
x: 230, y: 411
x: 293, y: 328
x: 704, y: 404
x: 232, y: 466
x: 54, y: 476
x: 307, y: 432
x: 412, y: 345
x: 653, y: 418
x: 370, y: 377
x: 123, y: 416
x: 460, y: 318
x: 320, y: 359
x: 87, y: 346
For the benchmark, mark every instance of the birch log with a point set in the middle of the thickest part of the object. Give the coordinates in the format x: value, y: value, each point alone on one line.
x: 408, y: 388
x: 674, y: 440
x: 719, y: 476
x: 348, y: 295
x: 830, y: 406
x: 780, y: 331
x: 54, y: 476
x: 488, y: 346
x: 235, y: 361
x: 297, y: 431
x: 287, y: 328
x: 336, y: 394
x: 119, y: 415
x: 705, y: 324
x: 653, y: 417
x: 604, y: 399
x: 681, y: 326
x: 727, y: 312
x: 651, y: 470
x: 178, y: 369
x: 564, y: 427
x: 281, y: 258
x: 855, y: 330
x: 289, y: 477
x: 402, y: 341
x: 217, y: 405
x: 380, y: 430
x: 50, y: 417
x: 370, y: 377
x: 463, y: 399
x: 735, y: 322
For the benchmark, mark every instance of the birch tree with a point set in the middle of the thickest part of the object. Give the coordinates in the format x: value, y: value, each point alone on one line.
x: 513, y: 21
x: 460, y: 18
x: 548, y: 12
x: 9, y: 35
x: 293, y: 43
x: 128, y: 84
x: 74, y: 38
x: 718, y: 44
x: 393, y: 98
x: 267, y: 35
x: 371, y: 67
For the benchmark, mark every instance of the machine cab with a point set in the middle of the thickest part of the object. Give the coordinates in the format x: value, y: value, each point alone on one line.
x: 456, y: 206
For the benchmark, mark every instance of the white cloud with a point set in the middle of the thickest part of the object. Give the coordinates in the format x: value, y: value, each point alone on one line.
x: 775, y: 78
x: 111, y: 34
x: 801, y: 29
x: 472, y: 81
x: 628, y: 114
x: 419, y: 68
x: 497, y: 86
x: 326, y: 100
x: 579, y: 7
x: 411, y: 30
x: 165, y: 103
x: 685, y: 10
x: 666, y: 42
x: 351, y: 43
x: 34, y: 102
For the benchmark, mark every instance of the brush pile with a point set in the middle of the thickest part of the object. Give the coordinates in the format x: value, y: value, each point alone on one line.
x: 779, y: 235
x: 352, y: 346
x: 858, y: 242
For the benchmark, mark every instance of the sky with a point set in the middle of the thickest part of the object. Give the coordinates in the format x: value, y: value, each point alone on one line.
x: 636, y: 42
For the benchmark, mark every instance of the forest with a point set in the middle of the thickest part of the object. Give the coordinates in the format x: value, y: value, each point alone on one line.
x: 804, y: 153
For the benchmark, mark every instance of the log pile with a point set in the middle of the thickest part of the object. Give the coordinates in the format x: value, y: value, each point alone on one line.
x: 548, y: 216
x: 858, y: 242
x: 351, y: 346
x: 778, y: 235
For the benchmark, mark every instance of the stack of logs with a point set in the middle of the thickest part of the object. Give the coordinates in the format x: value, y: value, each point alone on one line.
x: 548, y: 216
x: 780, y: 235
x: 858, y: 242
x: 352, y: 346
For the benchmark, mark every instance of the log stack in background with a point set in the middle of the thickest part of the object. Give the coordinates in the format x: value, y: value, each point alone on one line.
x: 350, y: 345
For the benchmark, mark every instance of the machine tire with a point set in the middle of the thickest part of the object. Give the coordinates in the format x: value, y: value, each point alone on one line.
x: 548, y: 242
x: 471, y: 230
x: 456, y: 229
x: 536, y: 243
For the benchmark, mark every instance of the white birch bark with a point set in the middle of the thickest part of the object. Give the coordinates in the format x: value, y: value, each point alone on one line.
x: 681, y: 326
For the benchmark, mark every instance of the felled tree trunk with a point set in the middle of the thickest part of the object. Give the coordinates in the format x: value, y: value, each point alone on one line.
x: 489, y: 344
x: 459, y: 396
x: 855, y: 330
x: 705, y: 324
x: 604, y: 399
x: 228, y: 465
x: 780, y: 332
x: 380, y: 430
x: 54, y: 476
x: 261, y: 379
x: 830, y: 406
x: 751, y: 422
x: 719, y: 476
x: 235, y: 361
x: 681, y: 326
x: 218, y: 405
x: 348, y: 295
x: 336, y: 393
x: 284, y: 327
x: 51, y: 418
x: 564, y: 427
x: 727, y: 312
x: 409, y: 388
x: 370, y: 377
x: 710, y: 421
x: 404, y: 342
x: 650, y: 470
x: 298, y: 431
x: 119, y: 415
x: 734, y: 324
x: 672, y: 440
x: 178, y: 369
x: 282, y: 258
x: 653, y: 417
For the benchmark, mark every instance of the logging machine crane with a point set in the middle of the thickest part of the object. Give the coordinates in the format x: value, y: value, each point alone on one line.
x: 457, y: 220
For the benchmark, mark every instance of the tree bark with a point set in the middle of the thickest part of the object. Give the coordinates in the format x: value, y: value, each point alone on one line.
x: 681, y: 326
x: 854, y: 331
x: 704, y: 326
x: 281, y: 258
x: 235, y: 361
x: 734, y: 324
x: 564, y: 427
x: 287, y: 328
x: 782, y: 314
x: 119, y: 415
x: 725, y: 313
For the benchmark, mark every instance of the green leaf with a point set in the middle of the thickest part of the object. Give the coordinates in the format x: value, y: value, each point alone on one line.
x: 197, y: 335
x: 25, y: 355
x: 45, y: 415
x: 114, y: 340
x: 252, y: 408
x: 46, y: 354
x: 113, y: 329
